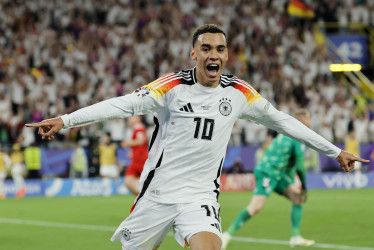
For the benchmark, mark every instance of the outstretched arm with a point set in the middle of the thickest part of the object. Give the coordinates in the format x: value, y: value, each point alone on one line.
x: 114, y: 108
x: 119, y: 107
x: 262, y: 112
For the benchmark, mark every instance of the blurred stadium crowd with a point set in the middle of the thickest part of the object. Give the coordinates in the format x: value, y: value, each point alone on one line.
x: 58, y: 56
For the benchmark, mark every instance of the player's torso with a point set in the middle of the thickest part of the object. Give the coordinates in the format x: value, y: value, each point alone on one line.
x: 195, y: 129
x: 200, y: 116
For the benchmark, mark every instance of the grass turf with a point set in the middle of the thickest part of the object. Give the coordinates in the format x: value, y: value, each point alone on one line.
x: 338, y: 217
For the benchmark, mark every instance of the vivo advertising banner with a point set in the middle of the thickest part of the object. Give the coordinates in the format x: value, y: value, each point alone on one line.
x: 336, y: 180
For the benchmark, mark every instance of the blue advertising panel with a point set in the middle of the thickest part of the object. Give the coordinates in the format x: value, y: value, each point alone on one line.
x: 340, y: 180
x: 69, y: 187
x: 85, y: 187
x: 34, y: 188
x: 354, y: 47
x: 55, y: 162
x: 232, y: 182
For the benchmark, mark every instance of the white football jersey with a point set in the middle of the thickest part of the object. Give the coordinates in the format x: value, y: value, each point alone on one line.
x: 193, y: 127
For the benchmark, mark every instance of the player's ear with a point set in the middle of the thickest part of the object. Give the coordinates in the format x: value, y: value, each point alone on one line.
x: 193, y: 54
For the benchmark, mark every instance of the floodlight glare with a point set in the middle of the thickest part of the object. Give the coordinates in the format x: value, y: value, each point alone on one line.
x: 344, y: 67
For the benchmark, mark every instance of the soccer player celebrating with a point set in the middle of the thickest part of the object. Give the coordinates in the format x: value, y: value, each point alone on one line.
x: 194, y: 112
x: 275, y: 172
x: 139, y: 154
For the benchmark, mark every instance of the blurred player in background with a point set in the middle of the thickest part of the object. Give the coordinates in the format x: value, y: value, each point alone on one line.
x: 139, y: 153
x: 108, y: 158
x: 33, y: 161
x: 195, y: 111
x: 4, y: 167
x: 78, y: 163
x: 276, y: 172
x: 18, y: 168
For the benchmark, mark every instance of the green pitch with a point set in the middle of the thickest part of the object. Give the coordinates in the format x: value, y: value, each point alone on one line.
x: 336, y: 219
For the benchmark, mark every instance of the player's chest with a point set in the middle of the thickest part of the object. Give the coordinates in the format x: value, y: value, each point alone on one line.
x: 220, y: 105
x: 202, y: 114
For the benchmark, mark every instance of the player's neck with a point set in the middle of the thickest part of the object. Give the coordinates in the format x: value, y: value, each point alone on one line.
x: 205, y: 83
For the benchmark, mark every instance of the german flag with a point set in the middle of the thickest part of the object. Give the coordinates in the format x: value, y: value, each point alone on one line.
x: 36, y: 72
x: 300, y: 9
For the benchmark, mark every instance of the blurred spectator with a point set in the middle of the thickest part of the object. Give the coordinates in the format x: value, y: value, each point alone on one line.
x: 117, y: 130
x: 18, y: 168
x: 360, y: 124
x: 311, y: 161
x: 236, y: 168
x: 5, y: 164
x: 236, y: 135
x: 33, y: 161
x: 107, y: 158
x: 352, y: 144
x: 78, y: 163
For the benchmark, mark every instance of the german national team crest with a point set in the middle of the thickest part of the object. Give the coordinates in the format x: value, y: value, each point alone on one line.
x: 142, y: 91
x: 225, y: 106
x: 126, y: 234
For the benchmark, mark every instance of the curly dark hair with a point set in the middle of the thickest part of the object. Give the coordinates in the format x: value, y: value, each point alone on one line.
x: 206, y: 28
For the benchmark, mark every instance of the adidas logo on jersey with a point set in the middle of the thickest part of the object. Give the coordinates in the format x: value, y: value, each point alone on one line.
x: 187, y: 108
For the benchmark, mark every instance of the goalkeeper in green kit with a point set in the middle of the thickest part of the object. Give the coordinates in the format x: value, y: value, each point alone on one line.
x: 275, y: 172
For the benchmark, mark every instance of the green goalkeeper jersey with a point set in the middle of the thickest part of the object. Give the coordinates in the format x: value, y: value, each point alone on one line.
x: 284, y: 155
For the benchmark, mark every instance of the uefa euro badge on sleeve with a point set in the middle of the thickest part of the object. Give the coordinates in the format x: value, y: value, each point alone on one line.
x: 267, y: 106
x: 142, y: 91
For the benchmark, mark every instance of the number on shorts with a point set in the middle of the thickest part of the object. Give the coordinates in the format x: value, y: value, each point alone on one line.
x: 208, y: 212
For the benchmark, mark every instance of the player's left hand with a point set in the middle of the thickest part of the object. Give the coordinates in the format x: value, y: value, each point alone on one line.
x: 347, y: 160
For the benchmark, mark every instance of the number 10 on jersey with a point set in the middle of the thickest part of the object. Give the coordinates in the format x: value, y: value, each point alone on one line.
x: 208, y: 126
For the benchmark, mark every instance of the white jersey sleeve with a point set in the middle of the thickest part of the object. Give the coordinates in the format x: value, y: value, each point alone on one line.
x: 261, y: 111
x: 142, y: 101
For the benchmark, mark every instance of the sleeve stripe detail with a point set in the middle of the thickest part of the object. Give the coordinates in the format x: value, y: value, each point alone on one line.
x: 248, y: 91
x: 157, y: 81
x: 163, y: 80
x: 166, y: 82
x: 165, y: 87
x: 247, y: 86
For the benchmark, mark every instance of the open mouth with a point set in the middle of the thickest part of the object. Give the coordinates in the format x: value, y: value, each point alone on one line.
x: 213, y: 69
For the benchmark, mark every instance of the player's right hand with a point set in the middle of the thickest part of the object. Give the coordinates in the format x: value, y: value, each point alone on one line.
x: 347, y: 160
x: 47, y: 128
